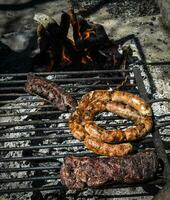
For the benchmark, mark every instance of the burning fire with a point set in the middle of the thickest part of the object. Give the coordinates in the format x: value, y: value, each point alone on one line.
x: 65, y: 58
x: 88, y: 33
x: 59, y: 49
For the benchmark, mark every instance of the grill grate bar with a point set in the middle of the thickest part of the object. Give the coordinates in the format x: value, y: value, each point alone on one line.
x: 49, y: 129
x: 116, y: 78
x: 77, y: 144
x: 21, y: 101
x: 35, y: 178
x: 29, y: 152
x: 74, y: 86
x: 56, y: 187
x: 41, y: 122
x: 74, y: 94
x: 159, y: 100
x: 163, y: 124
x: 65, y: 120
x: 32, y: 113
x: 113, y: 86
x: 4, y: 139
x: 70, y: 72
x: 45, y: 157
x: 58, y: 112
x: 30, y: 169
x: 56, y: 146
x: 46, y: 168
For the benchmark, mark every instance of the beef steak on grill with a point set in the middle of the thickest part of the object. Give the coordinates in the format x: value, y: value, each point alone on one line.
x: 79, y: 172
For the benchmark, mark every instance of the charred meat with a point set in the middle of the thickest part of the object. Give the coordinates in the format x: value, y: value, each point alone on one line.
x: 81, y: 172
x: 49, y: 91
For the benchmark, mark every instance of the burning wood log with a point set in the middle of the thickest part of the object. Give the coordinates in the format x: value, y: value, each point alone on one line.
x: 92, y: 34
x: 49, y: 36
x: 55, y: 48
x: 89, y: 42
x: 65, y: 24
x: 76, y: 26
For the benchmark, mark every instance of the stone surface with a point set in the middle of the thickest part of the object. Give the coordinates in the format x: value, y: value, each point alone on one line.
x: 165, y: 12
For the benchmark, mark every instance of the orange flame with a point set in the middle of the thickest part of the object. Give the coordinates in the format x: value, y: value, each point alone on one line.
x: 65, y: 58
x: 87, y: 33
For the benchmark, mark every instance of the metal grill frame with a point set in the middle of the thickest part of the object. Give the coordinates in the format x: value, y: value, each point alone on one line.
x: 142, y: 92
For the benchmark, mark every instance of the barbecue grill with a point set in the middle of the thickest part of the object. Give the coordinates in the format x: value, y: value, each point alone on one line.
x: 35, y: 136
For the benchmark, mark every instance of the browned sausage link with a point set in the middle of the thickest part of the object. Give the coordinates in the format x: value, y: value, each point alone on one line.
x: 143, y: 124
x: 78, y: 118
x: 76, y: 126
x: 104, y: 135
x: 118, y: 96
x: 49, y: 91
x: 105, y: 149
x: 123, y: 110
x: 92, y: 109
x: 123, y: 104
x: 133, y: 100
x: 102, y: 95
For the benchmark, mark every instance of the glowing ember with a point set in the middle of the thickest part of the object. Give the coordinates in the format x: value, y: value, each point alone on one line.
x: 88, y: 33
x: 65, y: 57
x: 86, y: 60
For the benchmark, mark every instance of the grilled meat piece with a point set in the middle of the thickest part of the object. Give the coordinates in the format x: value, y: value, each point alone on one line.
x: 79, y: 172
x: 124, y: 104
x: 102, y: 148
x: 49, y: 91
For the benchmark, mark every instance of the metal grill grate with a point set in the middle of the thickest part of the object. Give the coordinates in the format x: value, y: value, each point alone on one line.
x: 35, y: 136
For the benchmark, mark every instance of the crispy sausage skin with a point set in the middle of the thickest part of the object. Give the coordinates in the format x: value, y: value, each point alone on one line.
x: 143, y: 124
x: 76, y: 125
x: 123, y: 104
x: 117, y: 96
x: 49, y: 91
x: 133, y: 100
x: 105, y: 149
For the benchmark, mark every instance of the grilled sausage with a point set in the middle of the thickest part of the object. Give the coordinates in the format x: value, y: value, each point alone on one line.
x: 96, y: 138
x: 76, y: 125
x: 133, y: 100
x: 117, y: 96
x: 83, y: 124
x: 105, y: 149
x: 143, y: 124
x: 49, y: 91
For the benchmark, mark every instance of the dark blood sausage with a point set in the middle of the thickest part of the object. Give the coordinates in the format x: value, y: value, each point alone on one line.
x: 49, y: 91
x: 81, y: 172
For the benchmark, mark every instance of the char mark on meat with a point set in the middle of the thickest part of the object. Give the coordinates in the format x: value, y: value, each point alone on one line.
x: 80, y: 172
x: 50, y: 92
